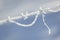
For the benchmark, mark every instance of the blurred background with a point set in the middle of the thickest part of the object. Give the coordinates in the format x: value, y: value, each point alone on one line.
x: 38, y: 31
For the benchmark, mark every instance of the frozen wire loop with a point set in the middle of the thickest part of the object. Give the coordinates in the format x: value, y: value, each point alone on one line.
x: 24, y: 25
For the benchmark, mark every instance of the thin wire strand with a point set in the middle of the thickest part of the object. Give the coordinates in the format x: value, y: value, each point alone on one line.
x: 43, y: 18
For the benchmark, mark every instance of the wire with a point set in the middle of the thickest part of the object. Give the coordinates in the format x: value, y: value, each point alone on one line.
x: 24, y: 25
x: 43, y: 17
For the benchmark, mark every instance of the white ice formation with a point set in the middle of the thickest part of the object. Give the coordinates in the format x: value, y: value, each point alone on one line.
x: 37, y: 13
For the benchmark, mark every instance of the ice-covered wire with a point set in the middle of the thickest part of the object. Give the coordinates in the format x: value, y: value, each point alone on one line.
x: 43, y: 17
x: 28, y: 25
x: 56, y: 9
x: 37, y: 13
